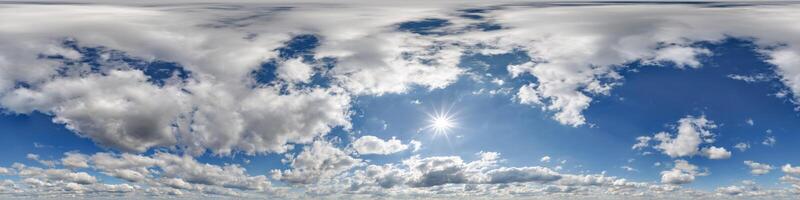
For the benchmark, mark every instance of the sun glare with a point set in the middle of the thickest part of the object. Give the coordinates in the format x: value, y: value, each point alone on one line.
x: 441, y: 123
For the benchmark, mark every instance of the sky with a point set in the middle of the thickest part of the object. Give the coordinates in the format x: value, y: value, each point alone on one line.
x: 399, y: 100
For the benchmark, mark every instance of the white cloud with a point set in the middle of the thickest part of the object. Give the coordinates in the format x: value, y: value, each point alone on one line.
x: 788, y: 169
x: 692, y: 131
x: 75, y: 160
x: 192, y: 171
x: 545, y: 159
x: 681, y: 173
x: 320, y: 160
x: 769, y: 141
x: 716, y: 153
x: 373, y: 145
x: 681, y: 55
x: 295, y: 70
x: 41, y: 177
x: 5, y: 171
x: 433, y: 171
x: 758, y: 168
x: 523, y: 174
x: 751, y: 79
x: 643, y: 142
x: 735, y: 190
x: 432, y: 174
x: 629, y: 168
x: 209, y: 110
x: 750, y: 122
x: 742, y: 146
x: 129, y: 167
x: 127, y: 112
x: 415, y: 145
x: 177, y: 183
x: 35, y: 157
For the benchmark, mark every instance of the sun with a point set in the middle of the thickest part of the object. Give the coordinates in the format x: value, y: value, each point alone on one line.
x: 441, y: 122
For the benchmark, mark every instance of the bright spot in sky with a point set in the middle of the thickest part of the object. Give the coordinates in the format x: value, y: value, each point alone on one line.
x: 441, y: 123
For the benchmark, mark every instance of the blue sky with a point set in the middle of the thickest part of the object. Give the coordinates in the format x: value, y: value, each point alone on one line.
x: 304, y: 100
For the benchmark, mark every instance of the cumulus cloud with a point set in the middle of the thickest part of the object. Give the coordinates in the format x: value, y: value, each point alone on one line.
x: 158, y: 174
x: 295, y: 70
x: 5, y: 171
x: 373, y: 145
x: 742, y: 146
x: 523, y: 174
x: 116, y: 104
x: 545, y: 159
x: 320, y: 160
x: 691, y: 133
x: 38, y: 176
x: 433, y: 171
x: 682, y: 173
x: 643, y: 142
x: 75, y: 160
x: 572, y: 59
x: 35, y: 157
x: 716, y: 153
x: 748, y: 188
x: 758, y: 168
x: 130, y: 113
x: 190, y: 170
x: 788, y: 169
x: 415, y: 145
x: 441, y: 172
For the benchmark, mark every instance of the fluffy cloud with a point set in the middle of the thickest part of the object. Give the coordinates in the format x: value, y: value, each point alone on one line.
x: 126, y: 112
x: 433, y: 171
x: 158, y: 174
x: 97, y: 101
x: 129, y: 167
x: 192, y: 171
x: 373, y: 145
x: 643, y: 142
x: 692, y: 132
x: 35, y: 157
x: 758, y: 168
x: 769, y: 141
x: 295, y: 70
x: 575, y: 61
x: 742, y: 146
x: 36, y: 175
x: 748, y: 188
x: 320, y: 160
x: 75, y: 160
x: 716, y: 153
x: 682, y: 173
x: 5, y: 171
x: 451, y: 175
x: 523, y: 174
x: 788, y: 169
